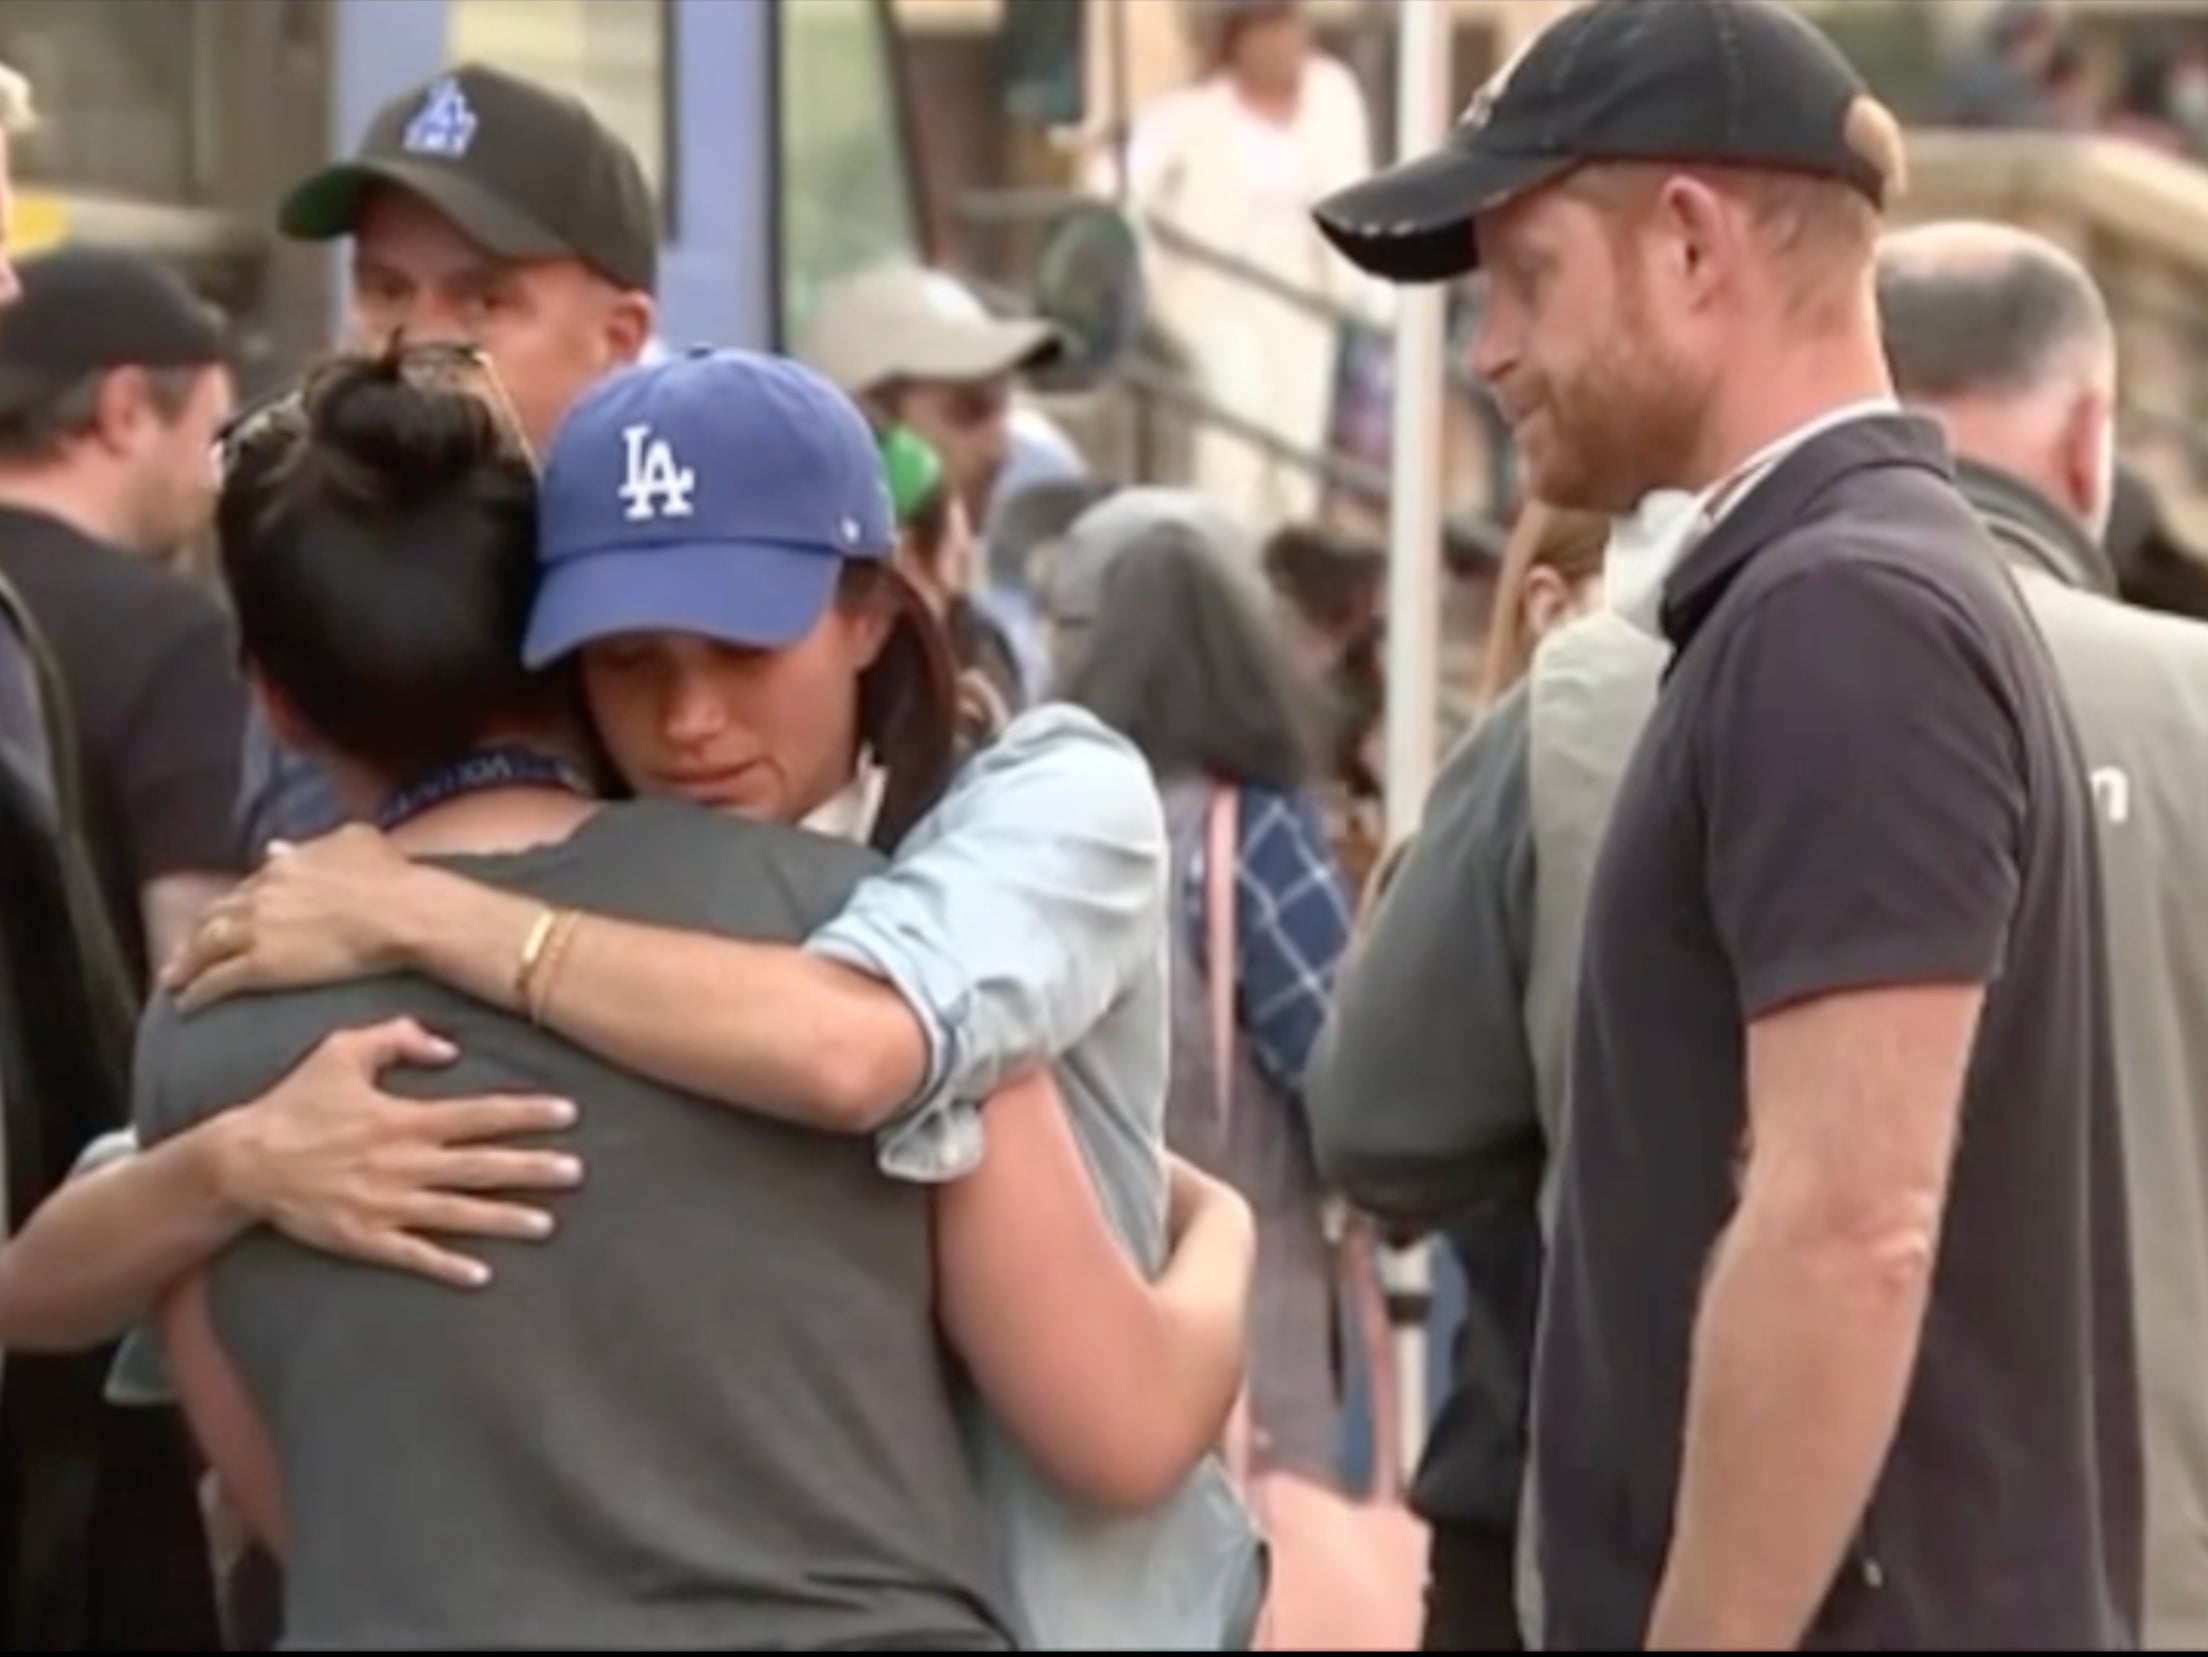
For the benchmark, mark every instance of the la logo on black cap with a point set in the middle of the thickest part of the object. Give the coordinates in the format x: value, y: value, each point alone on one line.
x: 444, y: 125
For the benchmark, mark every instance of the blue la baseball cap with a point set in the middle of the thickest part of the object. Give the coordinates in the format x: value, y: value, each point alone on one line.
x: 719, y: 493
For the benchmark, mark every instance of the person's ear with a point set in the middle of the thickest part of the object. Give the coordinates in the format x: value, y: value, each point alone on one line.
x: 629, y: 320
x: 1702, y: 235
x: 868, y: 625
x: 121, y: 408
x: 285, y: 722
x: 1546, y: 600
x: 2088, y: 459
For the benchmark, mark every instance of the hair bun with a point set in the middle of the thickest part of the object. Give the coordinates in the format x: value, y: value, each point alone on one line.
x: 399, y: 439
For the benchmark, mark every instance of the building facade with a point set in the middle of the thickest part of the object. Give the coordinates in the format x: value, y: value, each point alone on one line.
x: 177, y: 127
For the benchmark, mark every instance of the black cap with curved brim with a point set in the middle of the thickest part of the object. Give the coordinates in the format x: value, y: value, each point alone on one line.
x: 1723, y: 82
x: 83, y: 310
x: 328, y: 205
x: 522, y: 170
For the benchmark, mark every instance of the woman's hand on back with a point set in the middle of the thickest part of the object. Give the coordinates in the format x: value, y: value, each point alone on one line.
x: 334, y: 1162
x: 321, y: 913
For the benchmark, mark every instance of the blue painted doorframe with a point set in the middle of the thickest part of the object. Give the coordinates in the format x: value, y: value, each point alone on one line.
x: 717, y: 273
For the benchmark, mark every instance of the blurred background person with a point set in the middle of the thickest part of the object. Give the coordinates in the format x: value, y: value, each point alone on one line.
x: 2006, y: 340
x: 936, y: 553
x: 1437, y: 1091
x: 1029, y: 523
x: 2162, y: 97
x: 2001, y: 79
x: 1330, y: 589
x: 2154, y: 568
x: 1234, y: 163
x: 113, y: 385
x: 917, y: 348
x: 1178, y: 654
x: 1551, y: 575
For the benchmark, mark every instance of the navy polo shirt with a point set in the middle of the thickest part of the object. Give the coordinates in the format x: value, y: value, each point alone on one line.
x: 1859, y: 772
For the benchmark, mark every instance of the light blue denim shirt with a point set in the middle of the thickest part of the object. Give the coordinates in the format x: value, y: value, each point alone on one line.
x: 1025, y: 920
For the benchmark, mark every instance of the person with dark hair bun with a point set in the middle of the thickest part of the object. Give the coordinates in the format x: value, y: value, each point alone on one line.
x: 730, y: 1367
x: 716, y: 533
x: 378, y: 537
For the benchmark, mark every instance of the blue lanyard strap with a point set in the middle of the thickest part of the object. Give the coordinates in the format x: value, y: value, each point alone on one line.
x: 479, y: 772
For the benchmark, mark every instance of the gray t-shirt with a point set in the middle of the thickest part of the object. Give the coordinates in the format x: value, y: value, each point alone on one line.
x: 713, y: 1414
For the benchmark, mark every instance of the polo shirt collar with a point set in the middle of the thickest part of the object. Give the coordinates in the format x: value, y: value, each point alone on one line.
x: 1647, y: 545
x: 1780, y: 495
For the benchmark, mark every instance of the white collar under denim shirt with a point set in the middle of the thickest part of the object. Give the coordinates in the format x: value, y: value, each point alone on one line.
x: 1648, y: 543
x: 852, y: 811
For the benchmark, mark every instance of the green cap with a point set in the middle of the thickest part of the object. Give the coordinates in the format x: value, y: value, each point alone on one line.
x: 915, y: 470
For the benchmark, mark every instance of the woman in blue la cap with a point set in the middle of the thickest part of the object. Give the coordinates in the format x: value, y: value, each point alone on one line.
x: 715, y: 533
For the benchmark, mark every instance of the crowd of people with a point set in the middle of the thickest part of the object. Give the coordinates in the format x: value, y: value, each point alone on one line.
x: 2027, y: 69
x: 716, y: 1001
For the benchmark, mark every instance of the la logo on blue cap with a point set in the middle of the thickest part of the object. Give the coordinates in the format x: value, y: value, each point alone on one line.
x: 657, y: 486
x: 444, y: 125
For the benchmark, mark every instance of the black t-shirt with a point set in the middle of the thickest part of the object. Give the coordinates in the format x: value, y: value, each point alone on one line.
x: 149, y: 661
x: 1859, y: 772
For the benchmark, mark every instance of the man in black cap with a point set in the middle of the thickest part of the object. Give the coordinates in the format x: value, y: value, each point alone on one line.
x: 110, y: 386
x: 484, y: 207
x: 487, y: 208
x: 113, y: 383
x: 1837, y: 1344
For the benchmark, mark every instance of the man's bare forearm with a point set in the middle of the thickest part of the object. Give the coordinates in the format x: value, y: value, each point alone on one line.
x: 766, y: 1027
x: 1802, y: 1359
x: 99, y: 1253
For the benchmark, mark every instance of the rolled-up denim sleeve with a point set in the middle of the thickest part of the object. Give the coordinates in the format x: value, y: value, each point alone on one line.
x: 1019, y: 912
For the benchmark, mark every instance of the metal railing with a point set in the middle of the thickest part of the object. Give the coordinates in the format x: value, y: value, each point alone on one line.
x: 1157, y: 384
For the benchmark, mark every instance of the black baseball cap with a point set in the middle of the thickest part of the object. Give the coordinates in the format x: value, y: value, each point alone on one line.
x: 528, y: 172
x: 1738, y: 82
x: 83, y: 310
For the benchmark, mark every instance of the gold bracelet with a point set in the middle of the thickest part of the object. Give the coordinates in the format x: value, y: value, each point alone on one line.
x: 570, y: 922
x: 532, y: 954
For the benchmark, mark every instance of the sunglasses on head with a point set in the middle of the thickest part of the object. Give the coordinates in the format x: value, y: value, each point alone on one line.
x: 432, y: 365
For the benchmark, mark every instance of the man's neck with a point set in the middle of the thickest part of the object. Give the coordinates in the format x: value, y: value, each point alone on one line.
x: 69, y: 498
x: 508, y: 818
x: 1783, y: 398
x: 2017, y: 439
x: 496, y: 820
x: 501, y: 820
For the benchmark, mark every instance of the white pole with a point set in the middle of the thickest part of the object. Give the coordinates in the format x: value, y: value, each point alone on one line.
x: 1414, y: 570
